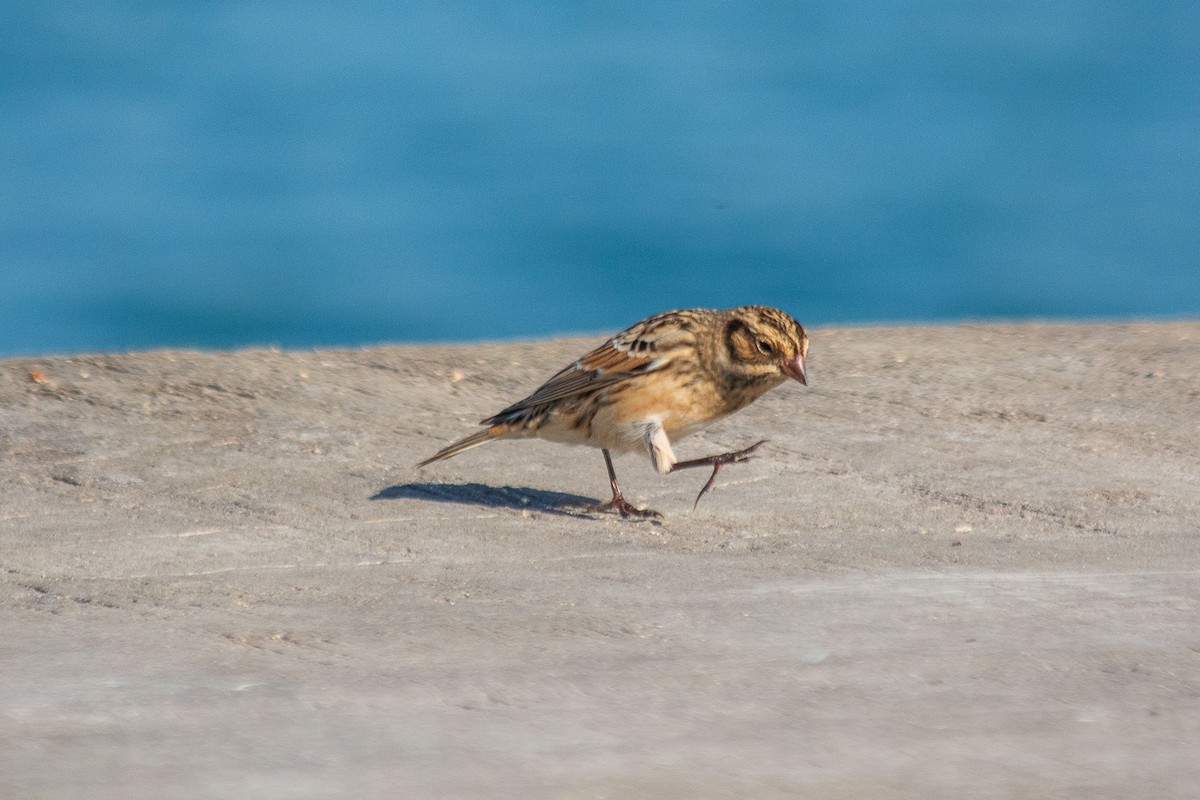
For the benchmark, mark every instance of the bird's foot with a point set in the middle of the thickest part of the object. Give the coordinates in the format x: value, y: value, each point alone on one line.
x: 716, y: 462
x: 626, y: 509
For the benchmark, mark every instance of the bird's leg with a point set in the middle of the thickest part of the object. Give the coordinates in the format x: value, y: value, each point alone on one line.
x: 716, y: 462
x: 618, y: 502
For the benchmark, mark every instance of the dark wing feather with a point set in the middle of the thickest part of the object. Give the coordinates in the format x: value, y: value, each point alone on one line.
x: 636, y: 351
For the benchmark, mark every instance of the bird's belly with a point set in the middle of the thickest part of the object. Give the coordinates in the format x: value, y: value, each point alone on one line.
x: 622, y: 424
x: 677, y: 432
x: 625, y: 428
x: 596, y: 430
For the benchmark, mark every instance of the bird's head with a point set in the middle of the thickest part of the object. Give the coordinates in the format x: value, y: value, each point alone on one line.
x: 765, y: 345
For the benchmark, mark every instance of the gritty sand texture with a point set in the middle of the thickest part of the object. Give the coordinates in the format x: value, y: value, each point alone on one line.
x: 967, y: 565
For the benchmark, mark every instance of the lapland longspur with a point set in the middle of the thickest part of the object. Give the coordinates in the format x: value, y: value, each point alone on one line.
x: 664, y: 378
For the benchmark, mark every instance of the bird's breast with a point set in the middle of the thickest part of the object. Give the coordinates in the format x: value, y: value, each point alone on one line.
x: 681, y: 403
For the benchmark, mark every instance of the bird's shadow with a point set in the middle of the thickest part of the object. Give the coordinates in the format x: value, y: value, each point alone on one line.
x: 520, y: 498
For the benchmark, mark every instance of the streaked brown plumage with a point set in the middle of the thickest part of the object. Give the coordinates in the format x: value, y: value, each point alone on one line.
x: 664, y: 378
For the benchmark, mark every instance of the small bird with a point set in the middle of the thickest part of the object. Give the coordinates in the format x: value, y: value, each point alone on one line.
x: 664, y: 378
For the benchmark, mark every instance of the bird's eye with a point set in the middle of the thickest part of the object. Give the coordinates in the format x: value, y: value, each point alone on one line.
x: 764, y: 347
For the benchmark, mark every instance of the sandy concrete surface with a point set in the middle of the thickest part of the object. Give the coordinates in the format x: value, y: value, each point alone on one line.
x: 966, y: 565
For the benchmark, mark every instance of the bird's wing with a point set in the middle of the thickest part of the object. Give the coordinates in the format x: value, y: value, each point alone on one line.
x: 646, y: 347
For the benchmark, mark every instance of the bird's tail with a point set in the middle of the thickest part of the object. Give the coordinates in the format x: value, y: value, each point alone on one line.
x: 474, y: 440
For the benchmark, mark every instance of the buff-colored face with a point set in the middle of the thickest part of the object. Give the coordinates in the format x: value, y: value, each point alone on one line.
x: 766, y: 343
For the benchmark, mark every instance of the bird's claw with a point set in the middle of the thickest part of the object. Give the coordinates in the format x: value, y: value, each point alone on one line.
x: 721, y: 460
x: 739, y: 456
x: 627, y: 509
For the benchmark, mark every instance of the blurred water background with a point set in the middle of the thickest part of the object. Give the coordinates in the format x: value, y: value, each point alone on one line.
x: 219, y: 174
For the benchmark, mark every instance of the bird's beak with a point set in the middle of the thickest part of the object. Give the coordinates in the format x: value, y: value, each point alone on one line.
x: 796, y: 369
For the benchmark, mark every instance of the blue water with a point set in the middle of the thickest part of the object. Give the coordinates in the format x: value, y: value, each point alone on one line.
x: 219, y: 174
